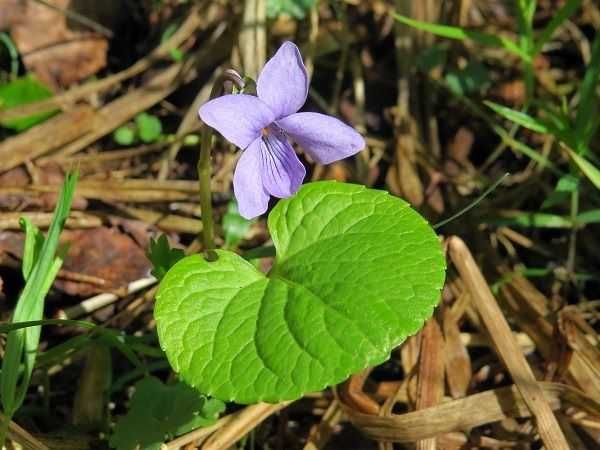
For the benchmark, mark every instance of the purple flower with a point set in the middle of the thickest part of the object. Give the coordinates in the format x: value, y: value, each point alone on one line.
x: 262, y: 125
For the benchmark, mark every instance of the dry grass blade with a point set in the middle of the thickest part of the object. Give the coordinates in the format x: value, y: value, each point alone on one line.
x: 527, y: 308
x: 253, y: 37
x: 430, y: 388
x: 101, y: 300
x: 506, y: 346
x: 22, y: 437
x: 456, y: 357
x: 43, y: 138
x: 197, y: 436
x: 320, y: 434
x: 167, y: 222
x: 77, y: 219
x: 243, y: 422
x: 472, y: 411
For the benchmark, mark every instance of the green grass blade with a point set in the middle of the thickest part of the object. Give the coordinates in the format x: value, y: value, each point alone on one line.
x: 490, y: 40
x: 559, y: 18
x: 21, y: 345
x: 521, y: 118
x: 586, y: 121
x: 531, y: 220
x: 588, y: 169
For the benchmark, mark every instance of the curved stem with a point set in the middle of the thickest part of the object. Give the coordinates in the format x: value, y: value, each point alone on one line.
x: 223, y: 84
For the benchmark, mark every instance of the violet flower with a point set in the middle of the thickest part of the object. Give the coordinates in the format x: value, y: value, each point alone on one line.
x: 262, y: 125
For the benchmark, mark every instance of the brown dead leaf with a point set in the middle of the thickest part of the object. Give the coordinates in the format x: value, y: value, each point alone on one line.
x: 103, y: 253
x: 511, y: 92
x: 11, y: 243
x: 10, y: 11
x: 16, y: 177
x: 58, y: 52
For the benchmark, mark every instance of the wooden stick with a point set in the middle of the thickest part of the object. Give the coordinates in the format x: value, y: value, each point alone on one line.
x: 507, y: 346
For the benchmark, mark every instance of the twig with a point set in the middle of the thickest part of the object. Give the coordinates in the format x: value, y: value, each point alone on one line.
x: 81, y: 19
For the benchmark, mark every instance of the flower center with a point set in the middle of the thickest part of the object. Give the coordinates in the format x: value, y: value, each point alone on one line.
x: 265, y: 132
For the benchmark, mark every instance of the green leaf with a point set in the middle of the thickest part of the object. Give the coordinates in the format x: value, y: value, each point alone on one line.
x: 521, y: 118
x: 490, y: 40
x: 566, y: 11
x: 294, y: 8
x: 357, y: 271
x: 159, y: 412
x: 586, y: 121
x: 591, y: 216
x: 432, y: 58
x: 21, y: 91
x: 235, y: 226
x: 566, y: 185
x: 162, y: 256
x: 589, y: 170
x: 124, y: 135
x: 149, y: 127
x: 472, y: 79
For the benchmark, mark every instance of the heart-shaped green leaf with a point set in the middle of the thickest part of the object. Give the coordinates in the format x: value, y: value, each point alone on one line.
x: 357, y: 271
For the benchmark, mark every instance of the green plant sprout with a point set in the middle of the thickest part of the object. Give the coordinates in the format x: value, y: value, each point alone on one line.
x: 42, y: 260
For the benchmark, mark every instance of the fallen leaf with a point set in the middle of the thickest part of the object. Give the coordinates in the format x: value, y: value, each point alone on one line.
x: 10, y: 11
x: 104, y: 253
x: 11, y: 243
x: 58, y: 52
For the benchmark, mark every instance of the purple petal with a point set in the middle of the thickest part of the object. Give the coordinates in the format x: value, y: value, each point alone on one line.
x: 239, y: 118
x: 281, y: 170
x: 283, y: 82
x: 325, y: 138
x: 251, y: 196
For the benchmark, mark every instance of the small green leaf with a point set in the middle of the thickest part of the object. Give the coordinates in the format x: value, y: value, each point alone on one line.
x: 162, y: 256
x: 589, y: 170
x: 159, y: 412
x: 124, y: 135
x: 357, y: 271
x: 432, y: 58
x: 591, y: 216
x: 294, y: 8
x: 566, y: 185
x: 149, y: 127
x: 235, y: 226
x: 490, y: 40
x: 21, y: 91
x: 473, y: 78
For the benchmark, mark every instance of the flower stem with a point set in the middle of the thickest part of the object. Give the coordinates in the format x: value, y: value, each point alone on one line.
x: 223, y: 84
x: 204, y: 173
